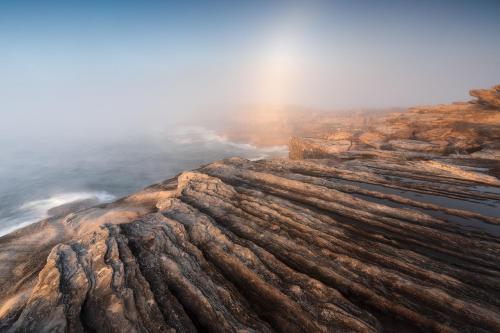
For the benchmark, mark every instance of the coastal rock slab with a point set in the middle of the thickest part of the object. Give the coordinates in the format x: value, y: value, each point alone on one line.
x: 418, y: 146
x: 269, y: 246
x: 373, y: 139
x: 300, y: 148
x: 488, y: 154
x: 341, y: 237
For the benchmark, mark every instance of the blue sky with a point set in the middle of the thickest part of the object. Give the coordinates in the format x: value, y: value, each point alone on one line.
x: 89, y: 62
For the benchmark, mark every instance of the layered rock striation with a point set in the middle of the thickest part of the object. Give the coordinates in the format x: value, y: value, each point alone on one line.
x: 459, y: 128
x: 401, y: 239
x: 265, y: 246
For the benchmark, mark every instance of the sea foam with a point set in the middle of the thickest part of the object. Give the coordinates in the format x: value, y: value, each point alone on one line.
x: 36, y: 210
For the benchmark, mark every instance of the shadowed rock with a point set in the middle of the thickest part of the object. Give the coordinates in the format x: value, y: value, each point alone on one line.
x: 341, y: 238
x: 278, y: 245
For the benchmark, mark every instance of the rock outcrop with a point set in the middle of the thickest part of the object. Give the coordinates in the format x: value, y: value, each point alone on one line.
x: 405, y: 238
x: 490, y: 98
x: 307, y: 148
x: 345, y: 245
x: 459, y: 128
x: 271, y: 125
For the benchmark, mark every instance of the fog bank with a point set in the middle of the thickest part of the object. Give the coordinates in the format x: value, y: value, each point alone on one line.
x: 88, y: 70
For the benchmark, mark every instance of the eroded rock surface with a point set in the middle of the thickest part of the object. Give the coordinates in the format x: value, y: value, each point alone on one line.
x: 306, y: 148
x: 336, y: 245
x: 458, y: 128
x: 393, y: 228
x: 488, y: 97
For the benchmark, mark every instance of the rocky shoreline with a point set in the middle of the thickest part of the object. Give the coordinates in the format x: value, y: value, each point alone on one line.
x: 351, y: 234
x: 470, y: 129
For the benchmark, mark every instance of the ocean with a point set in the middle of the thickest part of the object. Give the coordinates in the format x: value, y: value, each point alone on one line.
x: 37, y: 177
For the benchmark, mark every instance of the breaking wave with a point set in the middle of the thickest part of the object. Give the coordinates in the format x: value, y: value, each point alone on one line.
x: 116, y: 169
x: 202, y: 135
x: 36, y: 210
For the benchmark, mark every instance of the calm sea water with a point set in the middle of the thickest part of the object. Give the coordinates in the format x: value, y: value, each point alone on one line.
x: 35, y: 178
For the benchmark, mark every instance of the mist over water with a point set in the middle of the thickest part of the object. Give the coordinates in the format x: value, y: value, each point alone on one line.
x: 36, y: 177
x: 99, y: 98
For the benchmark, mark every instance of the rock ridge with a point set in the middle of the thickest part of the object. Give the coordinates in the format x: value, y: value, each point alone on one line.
x: 267, y: 246
x: 459, y: 128
x: 360, y: 231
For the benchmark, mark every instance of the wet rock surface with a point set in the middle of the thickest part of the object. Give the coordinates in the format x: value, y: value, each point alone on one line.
x: 74, y: 206
x: 333, y: 245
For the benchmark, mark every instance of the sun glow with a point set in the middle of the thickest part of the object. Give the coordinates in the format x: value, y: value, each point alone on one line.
x: 280, y: 61
x: 277, y: 75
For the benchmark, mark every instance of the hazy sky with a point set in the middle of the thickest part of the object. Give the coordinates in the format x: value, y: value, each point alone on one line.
x: 75, y: 66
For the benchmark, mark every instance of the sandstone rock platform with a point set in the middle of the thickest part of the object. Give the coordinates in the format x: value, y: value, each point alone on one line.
x: 460, y: 128
x: 366, y: 244
x: 395, y: 228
